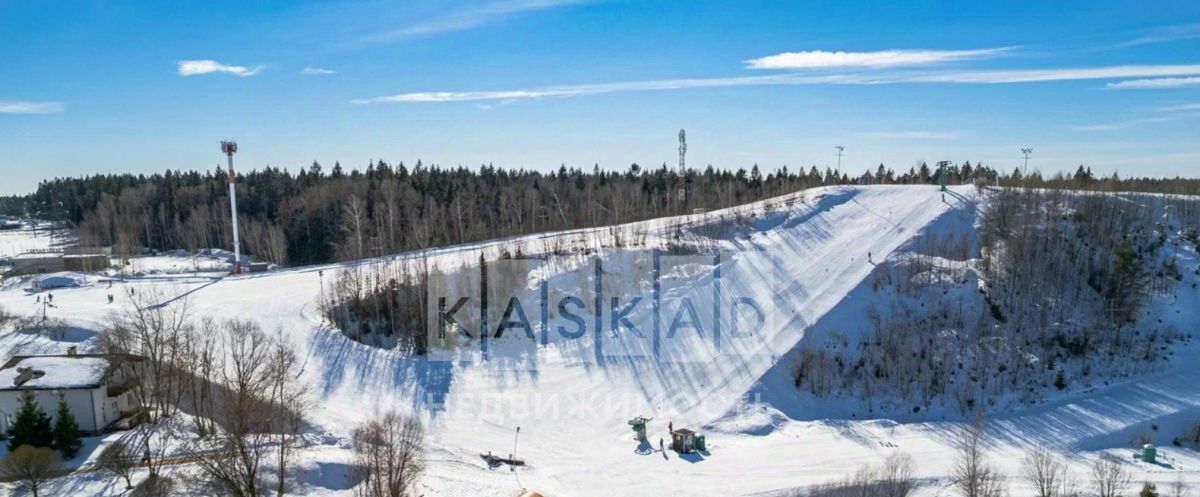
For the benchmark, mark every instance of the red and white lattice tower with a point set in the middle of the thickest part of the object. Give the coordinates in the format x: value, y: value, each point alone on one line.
x: 229, y: 148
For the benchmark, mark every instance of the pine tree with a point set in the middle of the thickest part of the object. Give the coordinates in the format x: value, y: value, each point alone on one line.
x: 1059, y: 381
x: 1149, y: 490
x: 66, y: 431
x: 1128, y: 280
x: 31, y: 426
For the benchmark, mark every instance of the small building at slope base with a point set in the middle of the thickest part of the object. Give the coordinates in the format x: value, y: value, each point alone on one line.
x: 97, y: 393
x: 683, y: 441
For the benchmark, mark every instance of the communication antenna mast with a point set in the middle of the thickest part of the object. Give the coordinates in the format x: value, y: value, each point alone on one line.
x: 683, y: 190
x: 840, y: 149
x: 682, y: 151
x: 229, y: 148
x: 1026, y: 152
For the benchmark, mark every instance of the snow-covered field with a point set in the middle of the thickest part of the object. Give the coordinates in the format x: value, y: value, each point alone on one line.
x: 13, y: 242
x: 800, y: 259
x: 182, y: 262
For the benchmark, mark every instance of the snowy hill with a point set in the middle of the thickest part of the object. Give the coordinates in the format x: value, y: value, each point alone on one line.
x: 714, y: 354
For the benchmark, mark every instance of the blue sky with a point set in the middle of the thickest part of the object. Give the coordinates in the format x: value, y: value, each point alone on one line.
x: 135, y: 86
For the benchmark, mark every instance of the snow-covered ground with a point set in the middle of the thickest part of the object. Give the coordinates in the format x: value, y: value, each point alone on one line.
x: 181, y: 262
x: 13, y: 242
x: 800, y: 260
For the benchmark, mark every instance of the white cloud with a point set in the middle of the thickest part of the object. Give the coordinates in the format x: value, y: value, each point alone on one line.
x: 792, y: 79
x: 467, y: 17
x: 913, y: 135
x: 1165, y: 34
x: 1068, y: 74
x: 820, y: 59
x: 1180, y: 108
x: 1154, y: 83
x: 16, y: 107
x: 197, y: 67
x: 317, y: 71
x: 1130, y: 123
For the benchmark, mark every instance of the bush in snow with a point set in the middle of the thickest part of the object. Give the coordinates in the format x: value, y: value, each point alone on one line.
x: 32, y: 464
x: 893, y: 478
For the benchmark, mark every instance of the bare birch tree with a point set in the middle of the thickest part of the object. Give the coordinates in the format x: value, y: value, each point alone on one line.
x: 239, y: 449
x: 118, y: 460
x: 973, y: 476
x: 1045, y: 472
x: 388, y: 456
x: 1110, y: 477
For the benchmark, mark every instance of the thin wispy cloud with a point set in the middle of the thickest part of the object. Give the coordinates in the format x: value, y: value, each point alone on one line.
x: 1162, y: 114
x: 465, y: 18
x: 913, y: 135
x: 199, y: 67
x: 1154, y: 83
x: 317, y: 71
x: 1129, y: 123
x: 1165, y: 34
x: 883, y: 59
x: 1066, y: 74
x: 1180, y: 108
x: 594, y: 89
x: 19, y: 107
x: 793, y: 79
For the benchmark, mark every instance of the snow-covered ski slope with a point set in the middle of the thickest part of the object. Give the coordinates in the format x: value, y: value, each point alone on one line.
x: 795, y: 259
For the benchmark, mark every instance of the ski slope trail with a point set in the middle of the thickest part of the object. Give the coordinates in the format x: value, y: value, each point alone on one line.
x: 686, y: 337
x: 572, y: 397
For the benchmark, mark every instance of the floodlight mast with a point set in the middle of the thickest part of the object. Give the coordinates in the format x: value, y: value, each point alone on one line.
x: 1026, y: 152
x: 229, y: 148
x: 840, y: 149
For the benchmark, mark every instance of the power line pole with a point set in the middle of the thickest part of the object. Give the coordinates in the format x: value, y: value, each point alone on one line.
x: 1026, y: 152
x: 840, y: 149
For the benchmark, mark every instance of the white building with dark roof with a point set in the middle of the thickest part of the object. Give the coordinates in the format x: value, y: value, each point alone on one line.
x: 96, y: 392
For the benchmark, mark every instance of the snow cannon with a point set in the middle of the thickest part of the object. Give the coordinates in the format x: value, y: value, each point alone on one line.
x: 638, y: 425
